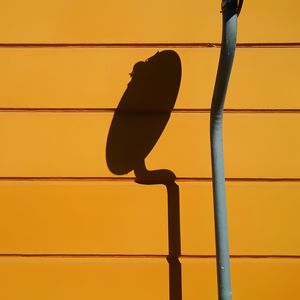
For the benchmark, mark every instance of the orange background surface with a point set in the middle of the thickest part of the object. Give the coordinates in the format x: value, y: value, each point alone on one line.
x: 71, y: 229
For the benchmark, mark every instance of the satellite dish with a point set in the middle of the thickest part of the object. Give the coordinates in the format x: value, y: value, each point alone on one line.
x: 143, y: 111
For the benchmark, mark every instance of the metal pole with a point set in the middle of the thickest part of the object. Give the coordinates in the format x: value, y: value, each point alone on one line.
x: 229, y: 10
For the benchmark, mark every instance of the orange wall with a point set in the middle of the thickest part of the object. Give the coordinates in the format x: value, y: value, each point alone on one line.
x: 69, y: 227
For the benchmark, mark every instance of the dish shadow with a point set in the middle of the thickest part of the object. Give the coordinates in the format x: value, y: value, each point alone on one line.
x: 138, y: 122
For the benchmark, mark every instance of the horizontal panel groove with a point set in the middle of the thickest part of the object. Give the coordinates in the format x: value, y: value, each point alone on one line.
x: 131, y: 179
x: 110, y: 45
x: 147, y: 45
x: 176, y: 110
x: 142, y: 256
x: 84, y: 255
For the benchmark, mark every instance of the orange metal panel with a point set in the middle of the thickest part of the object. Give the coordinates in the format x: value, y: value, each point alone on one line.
x: 262, y: 218
x: 83, y: 217
x: 110, y: 217
x: 85, y: 278
x: 74, y: 144
x: 79, y: 217
x: 98, y: 77
x: 92, y: 21
x: 143, y: 278
x: 262, y: 279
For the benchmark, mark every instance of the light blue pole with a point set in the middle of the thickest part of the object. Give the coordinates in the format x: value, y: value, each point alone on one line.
x: 229, y: 11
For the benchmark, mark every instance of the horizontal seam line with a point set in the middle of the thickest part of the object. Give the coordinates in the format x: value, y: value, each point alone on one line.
x: 147, y: 45
x: 179, y: 179
x: 176, y: 110
x: 141, y: 256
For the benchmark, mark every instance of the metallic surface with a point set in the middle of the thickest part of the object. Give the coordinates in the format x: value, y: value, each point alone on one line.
x: 68, y: 235
x: 69, y: 77
x: 132, y: 21
x: 229, y: 11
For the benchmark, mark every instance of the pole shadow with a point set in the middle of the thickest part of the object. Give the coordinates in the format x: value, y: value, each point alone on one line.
x: 138, y: 122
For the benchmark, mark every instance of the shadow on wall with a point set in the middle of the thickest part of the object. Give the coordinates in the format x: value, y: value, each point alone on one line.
x: 138, y: 122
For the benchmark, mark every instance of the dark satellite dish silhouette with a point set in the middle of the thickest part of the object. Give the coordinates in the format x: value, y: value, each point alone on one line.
x: 143, y: 111
x: 138, y: 122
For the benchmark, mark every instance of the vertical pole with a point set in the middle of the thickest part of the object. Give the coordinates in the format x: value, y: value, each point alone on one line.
x: 229, y: 11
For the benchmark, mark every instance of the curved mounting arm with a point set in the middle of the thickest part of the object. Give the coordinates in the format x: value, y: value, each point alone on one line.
x: 230, y: 10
